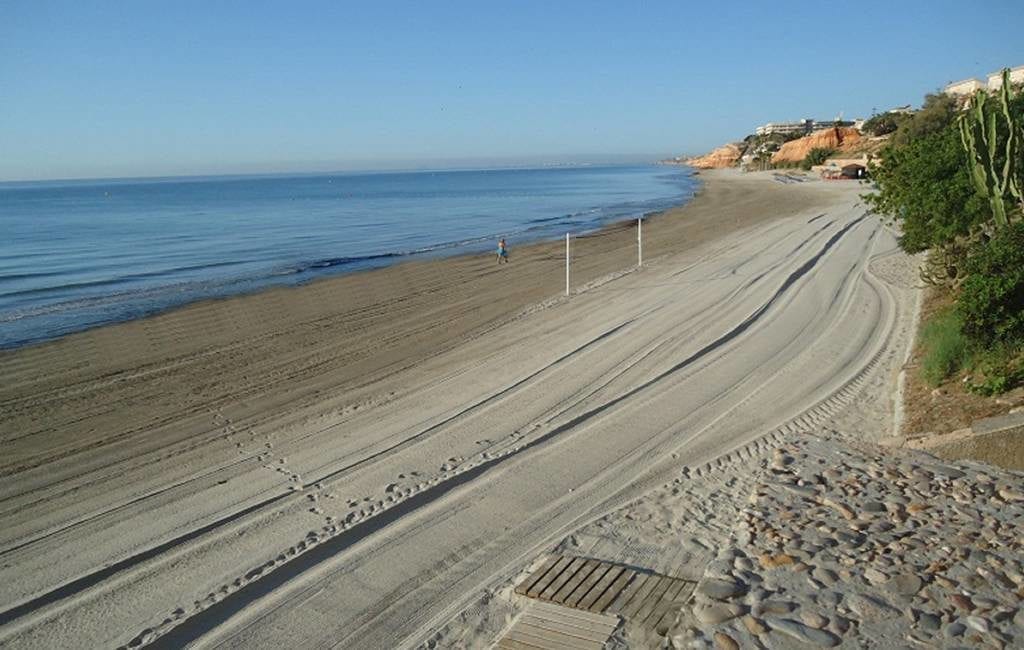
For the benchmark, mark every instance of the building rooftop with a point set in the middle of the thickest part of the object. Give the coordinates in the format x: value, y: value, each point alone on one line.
x: 963, y: 81
x: 1000, y: 71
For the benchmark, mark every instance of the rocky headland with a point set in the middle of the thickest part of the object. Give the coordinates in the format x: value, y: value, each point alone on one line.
x: 723, y: 157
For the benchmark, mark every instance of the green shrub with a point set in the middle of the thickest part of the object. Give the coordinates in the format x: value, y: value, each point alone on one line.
x: 991, y: 300
x: 945, y: 347
x: 938, y: 112
x: 816, y: 156
x: 926, y: 185
x: 884, y: 123
x: 996, y: 370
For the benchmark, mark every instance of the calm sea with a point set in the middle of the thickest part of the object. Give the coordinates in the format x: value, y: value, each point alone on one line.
x: 79, y: 254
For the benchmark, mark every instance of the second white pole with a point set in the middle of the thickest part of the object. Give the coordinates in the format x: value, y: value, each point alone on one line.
x: 567, y: 264
x: 639, y: 241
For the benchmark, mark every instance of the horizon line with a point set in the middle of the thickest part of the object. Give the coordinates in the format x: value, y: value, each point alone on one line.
x: 454, y: 166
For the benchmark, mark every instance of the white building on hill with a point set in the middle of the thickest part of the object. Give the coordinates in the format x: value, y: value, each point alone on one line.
x: 802, y: 127
x: 993, y: 82
x: 965, y: 87
x: 995, y: 79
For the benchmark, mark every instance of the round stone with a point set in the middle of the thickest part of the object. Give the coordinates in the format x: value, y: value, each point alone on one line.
x: 875, y: 576
x: 825, y: 576
x: 774, y: 607
x: 962, y: 602
x: 813, y: 619
x: 803, y: 633
x: 721, y: 589
x: 754, y: 626
x: 977, y: 623
x: 954, y: 629
x: 929, y: 622
x: 718, y: 613
x: 725, y: 642
x: 906, y: 584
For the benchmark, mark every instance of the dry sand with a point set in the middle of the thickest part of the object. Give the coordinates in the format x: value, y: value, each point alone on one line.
x: 349, y: 462
x: 678, y: 528
x: 813, y: 536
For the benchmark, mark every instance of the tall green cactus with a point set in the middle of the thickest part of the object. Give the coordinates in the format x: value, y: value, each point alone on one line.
x: 980, y: 133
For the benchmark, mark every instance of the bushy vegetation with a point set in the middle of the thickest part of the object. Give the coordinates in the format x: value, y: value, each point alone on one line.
x: 926, y: 185
x: 937, y: 112
x: 983, y: 334
x: 947, y: 351
x: 952, y: 180
x: 816, y: 156
x: 991, y: 300
x: 884, y: 123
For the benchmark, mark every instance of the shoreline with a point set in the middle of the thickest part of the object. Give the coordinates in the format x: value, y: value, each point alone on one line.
x: 439, y: 253
x: 34, y: 322
x: 366, y: 324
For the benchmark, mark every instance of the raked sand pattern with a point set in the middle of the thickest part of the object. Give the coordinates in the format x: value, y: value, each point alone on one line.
x: 808, y: 537
x: 300, y: 478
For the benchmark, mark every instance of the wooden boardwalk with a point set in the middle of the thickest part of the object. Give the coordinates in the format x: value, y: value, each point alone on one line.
x: 572, y: 591
x: 544, y: 626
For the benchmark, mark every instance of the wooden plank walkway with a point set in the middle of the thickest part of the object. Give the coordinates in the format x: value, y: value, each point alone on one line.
x: 565, y: 587
x: 544, y: 626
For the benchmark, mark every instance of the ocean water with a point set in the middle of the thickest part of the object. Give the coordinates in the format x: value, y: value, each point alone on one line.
x: 79, y: 254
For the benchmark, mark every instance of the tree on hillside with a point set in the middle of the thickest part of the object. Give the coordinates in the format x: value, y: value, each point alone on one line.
x: 938, y: 112
x: 884, y: 123
x: 926, y: 186
x: 924, y: 183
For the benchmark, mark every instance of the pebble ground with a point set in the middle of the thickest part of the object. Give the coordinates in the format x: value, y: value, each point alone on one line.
x: 847, y: 544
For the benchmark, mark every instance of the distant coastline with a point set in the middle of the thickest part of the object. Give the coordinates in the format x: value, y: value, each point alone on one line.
x: 379, y: 167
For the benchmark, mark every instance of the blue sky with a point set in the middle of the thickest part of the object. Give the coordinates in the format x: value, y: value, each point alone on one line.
x: 95, y: 89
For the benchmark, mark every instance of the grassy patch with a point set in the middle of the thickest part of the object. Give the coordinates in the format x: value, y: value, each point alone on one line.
x: 950, y: 407
x: 944, y: 345
x: 945, y: 351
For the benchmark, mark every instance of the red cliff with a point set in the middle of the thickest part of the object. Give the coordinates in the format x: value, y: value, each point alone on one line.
x: 836, y: 138
x: 727, y: 156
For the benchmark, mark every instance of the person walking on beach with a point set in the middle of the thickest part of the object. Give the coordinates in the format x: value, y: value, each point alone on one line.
x: 502, y: 251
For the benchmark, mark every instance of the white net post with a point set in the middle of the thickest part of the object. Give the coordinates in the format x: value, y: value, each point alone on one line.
x: 639, y: 241
x: 567, y: 264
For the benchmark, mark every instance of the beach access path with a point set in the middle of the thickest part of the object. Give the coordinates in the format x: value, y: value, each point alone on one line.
x: 346, y: 464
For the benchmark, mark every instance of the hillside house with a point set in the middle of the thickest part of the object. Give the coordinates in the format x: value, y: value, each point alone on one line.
x: 964, y: 87
x: 995, y: 79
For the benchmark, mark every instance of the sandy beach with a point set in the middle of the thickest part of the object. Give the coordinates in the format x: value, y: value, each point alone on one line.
x: 317, y: 346
x: 348, y: 462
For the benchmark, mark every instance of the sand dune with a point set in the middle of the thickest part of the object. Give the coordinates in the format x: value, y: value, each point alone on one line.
x: 344, y: 462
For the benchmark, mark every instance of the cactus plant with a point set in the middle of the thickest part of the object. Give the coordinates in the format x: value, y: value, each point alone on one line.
x: 981, y: 129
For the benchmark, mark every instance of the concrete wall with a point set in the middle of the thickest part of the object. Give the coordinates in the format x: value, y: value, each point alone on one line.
x: 965, y: 87
x: 1002, y: 449
x: 999, y: 441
